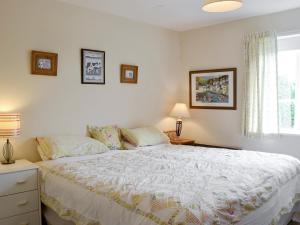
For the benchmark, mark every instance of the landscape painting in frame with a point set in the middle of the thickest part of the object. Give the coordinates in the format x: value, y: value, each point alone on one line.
x: 92, y: 66
x: 213, y: 89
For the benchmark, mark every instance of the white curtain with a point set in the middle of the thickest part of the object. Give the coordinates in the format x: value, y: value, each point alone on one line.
x: 297, y: 96
x: 261, y: 116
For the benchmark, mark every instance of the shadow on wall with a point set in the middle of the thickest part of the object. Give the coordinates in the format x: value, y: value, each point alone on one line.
x: 195, y: 131
x: 166, y: 124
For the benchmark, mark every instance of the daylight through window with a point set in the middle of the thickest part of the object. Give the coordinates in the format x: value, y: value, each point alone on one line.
x: 289, y: 84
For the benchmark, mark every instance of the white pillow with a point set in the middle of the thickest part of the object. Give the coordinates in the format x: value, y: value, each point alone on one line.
x: 63, y: 146
x: 144, y: 136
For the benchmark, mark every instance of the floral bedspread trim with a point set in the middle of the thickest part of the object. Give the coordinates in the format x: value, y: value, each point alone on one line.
x: 286, y: 210
x: 114, y: 196
x: 66, y: 213
x: 79, y: 219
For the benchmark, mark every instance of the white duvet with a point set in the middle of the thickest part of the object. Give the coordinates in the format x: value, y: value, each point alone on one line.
x: 170, y: 185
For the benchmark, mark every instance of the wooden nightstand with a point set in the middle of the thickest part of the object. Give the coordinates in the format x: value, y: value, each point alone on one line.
x: 19, y: 194
x: 178, y: 141
x: 182, y: 141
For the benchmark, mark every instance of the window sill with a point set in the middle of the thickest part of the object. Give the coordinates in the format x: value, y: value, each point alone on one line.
x: 290, y: 133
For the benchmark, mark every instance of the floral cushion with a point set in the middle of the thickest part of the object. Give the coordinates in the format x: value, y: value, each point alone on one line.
x: 109, y: 135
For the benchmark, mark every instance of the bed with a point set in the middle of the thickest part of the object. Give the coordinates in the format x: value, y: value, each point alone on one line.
x: 168, y: 185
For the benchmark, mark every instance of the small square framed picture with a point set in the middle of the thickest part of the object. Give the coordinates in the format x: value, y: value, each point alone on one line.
x: 44, y: 63
x: 129, y: 74
x: 92, y: 66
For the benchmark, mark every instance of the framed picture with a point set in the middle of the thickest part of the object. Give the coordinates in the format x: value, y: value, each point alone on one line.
x: 92, y: 66
x: 44, y: 63
x: 129, y: 74
x: 213, y: 89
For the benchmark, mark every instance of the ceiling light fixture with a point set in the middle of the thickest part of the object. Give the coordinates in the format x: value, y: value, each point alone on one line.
x: 221, y: 5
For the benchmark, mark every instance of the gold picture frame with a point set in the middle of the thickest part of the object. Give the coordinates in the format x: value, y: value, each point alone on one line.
x: 129, y: 74
x: 44, y: 63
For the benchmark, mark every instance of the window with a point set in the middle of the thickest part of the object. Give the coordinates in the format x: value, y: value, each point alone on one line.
x: 289, y: 84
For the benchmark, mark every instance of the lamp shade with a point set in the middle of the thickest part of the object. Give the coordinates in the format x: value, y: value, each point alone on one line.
x: 221, y: 5
x: 9, y: 124
x: 180, y: 110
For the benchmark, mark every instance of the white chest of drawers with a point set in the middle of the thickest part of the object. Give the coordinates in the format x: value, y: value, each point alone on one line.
x: 19, y: 194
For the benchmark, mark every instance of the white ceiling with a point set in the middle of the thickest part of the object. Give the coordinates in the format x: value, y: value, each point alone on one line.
x: 182, y: 15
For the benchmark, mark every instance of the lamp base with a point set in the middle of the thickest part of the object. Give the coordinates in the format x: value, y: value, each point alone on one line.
x: 8, y: 162
x: 8, y: 153
x: 178, y: 127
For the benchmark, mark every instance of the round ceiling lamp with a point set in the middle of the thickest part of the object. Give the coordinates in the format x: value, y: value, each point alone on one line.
x: 221, y: 5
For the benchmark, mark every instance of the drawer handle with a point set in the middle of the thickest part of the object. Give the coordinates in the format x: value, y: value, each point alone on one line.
x: 21, y: 182
x: 22, y: 203
x: 24, y: 223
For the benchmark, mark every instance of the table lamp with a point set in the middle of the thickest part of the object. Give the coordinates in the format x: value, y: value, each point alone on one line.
x: 9, y: 127
x: 179, y: 111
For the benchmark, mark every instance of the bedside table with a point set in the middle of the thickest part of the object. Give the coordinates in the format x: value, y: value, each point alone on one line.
x: 19, y: 191
x: 174, y: 140
x: 182, y: 141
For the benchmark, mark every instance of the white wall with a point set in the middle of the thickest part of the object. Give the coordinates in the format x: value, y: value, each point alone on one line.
x: 289, y: 43
x: 62, y: 105
x: 221, y: 46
